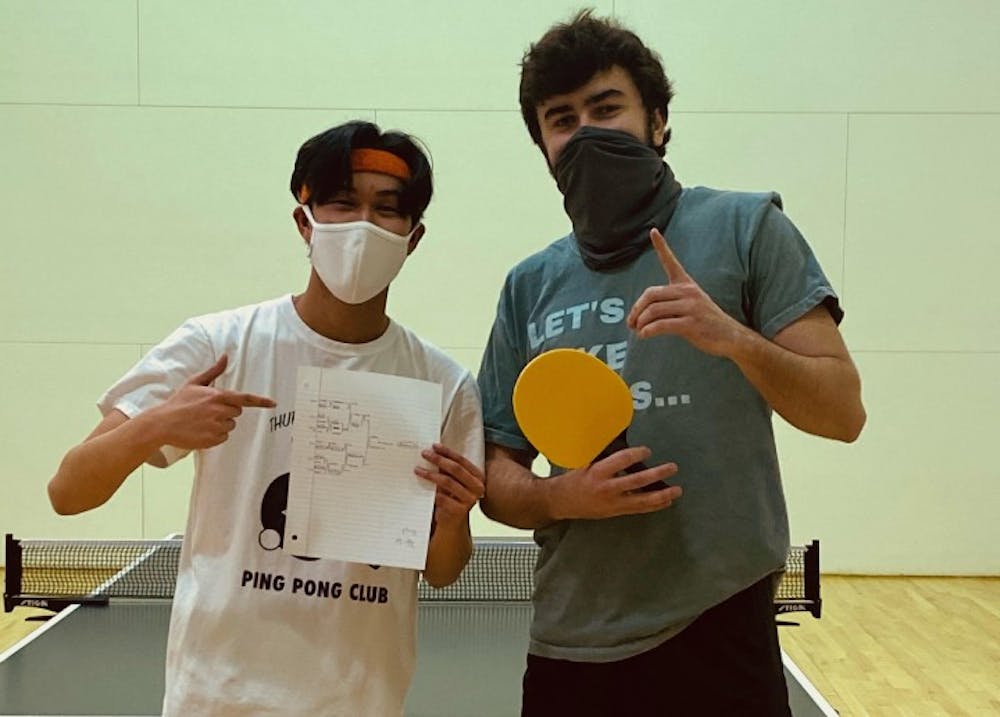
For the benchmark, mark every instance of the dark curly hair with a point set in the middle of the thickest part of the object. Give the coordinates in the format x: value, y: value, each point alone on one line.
x: 570, y: 54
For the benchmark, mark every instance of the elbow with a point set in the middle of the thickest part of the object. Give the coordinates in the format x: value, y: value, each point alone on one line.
x: 487, y: 509
x: 58, y: 500
x: 439, y: 581
x: 851, y: 417
x: 856, y: 428
x: 851, y: 428
x: 63, y: 502
x: 496, y: 514
x: 442, y: 576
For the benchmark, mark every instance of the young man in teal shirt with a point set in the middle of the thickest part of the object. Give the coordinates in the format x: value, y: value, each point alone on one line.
x: 714, y: 310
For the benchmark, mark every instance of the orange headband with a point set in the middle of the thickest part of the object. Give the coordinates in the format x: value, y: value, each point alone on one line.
x: 381, y: 161
x: 370, y: 160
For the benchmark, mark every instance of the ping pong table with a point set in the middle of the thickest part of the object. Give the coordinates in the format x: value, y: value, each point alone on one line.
x: 105, y: 655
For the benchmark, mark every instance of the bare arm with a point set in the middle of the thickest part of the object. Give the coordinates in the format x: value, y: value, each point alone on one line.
x: 460, y: 483
x: 196, y: 416
x: 92, y: 471
x: 519, y: 498
x: 805, y: 374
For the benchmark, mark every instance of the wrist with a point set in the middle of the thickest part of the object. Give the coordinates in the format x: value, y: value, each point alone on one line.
x: 151, y: 428
x: 457, y: 529
x: 552, y: 493
x: 744, y: 345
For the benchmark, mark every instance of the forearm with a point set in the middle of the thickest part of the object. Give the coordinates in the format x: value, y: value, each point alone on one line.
x: 514, y: 495
x: 92, y: 471
x: 819, y: 394
x: 448, y: 552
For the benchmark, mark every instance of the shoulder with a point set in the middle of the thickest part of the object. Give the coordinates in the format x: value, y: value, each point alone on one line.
x: 241, y: 327
x: 550, y: 260
x: 704, y: 204
x: 534, y: 275
x: 227, y: 319
x: 430, y: 363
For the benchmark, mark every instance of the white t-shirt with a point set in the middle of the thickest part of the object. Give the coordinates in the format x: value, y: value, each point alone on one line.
x: 253, y: 629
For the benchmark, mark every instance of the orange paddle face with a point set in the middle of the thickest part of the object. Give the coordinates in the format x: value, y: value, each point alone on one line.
x: 571, y: 406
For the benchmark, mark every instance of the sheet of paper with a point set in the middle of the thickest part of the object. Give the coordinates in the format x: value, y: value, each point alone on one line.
x: 352, y: 494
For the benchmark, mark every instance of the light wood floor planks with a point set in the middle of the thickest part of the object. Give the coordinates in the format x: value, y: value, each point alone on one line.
x: 903, y: 646
x: 884, y: 646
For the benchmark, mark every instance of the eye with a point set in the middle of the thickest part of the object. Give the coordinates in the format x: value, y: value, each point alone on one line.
x: 606, y: 110
x: 388, y: 210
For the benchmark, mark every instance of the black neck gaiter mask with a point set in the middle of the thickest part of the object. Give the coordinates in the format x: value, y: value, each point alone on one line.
x: 615, y: 189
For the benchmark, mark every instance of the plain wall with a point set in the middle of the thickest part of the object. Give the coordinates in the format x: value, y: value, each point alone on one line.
x: 146, y: 145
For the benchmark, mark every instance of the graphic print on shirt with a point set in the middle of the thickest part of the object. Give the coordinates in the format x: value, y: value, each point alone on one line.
x: 556, y: 329
x: 272, y: 537
x: 272, y: 515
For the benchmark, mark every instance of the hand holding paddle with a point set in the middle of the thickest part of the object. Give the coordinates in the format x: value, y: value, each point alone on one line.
x: 198, y: 415
x: 575, y: 410
x: 682, y: 308
x: 605, y: 489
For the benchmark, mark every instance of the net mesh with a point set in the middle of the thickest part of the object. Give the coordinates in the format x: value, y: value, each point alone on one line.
x: 500, y: 570
x: 792, y: 586
x: 125, y: 568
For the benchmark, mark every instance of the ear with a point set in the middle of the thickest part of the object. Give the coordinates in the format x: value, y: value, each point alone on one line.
x: 658, y: 128
x: 418, y: 234
x: 302, y: 224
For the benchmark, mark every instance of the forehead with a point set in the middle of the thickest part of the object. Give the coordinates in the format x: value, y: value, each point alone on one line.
x: 615, y: 79
x: 375, y: 183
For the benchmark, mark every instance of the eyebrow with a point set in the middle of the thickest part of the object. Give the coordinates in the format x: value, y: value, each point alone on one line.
x: 592, y: 100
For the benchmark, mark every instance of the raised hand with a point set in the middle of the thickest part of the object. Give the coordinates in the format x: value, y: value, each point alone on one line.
x: 682, y: 308
x: 460, y: 484
x: 199, y: 415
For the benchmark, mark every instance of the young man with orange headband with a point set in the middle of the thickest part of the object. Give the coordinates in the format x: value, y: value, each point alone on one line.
x: 242, y: 639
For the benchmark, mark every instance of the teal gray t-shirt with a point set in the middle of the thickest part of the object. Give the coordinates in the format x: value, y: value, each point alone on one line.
x: 609, y: 589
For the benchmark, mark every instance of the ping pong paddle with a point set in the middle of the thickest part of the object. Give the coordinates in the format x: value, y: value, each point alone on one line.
x: 574, y: 409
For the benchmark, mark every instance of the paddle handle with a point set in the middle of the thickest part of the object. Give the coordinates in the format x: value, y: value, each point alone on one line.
x: 620, y: 443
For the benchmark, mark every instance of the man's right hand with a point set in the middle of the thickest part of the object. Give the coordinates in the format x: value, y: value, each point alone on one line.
x: 601, y: 490
x: 198, y: 415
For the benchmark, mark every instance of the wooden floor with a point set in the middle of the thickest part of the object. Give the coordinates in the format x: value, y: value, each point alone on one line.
x: 884, y: 646
x: 903, y: 646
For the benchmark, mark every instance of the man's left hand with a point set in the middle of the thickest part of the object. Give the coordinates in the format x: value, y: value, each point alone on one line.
x: 460, y: 484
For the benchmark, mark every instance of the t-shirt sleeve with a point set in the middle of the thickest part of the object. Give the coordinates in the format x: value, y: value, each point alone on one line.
x: 785, y: 280
x: 184, y: 353
x: 502, y: 362
x: 463, y: 425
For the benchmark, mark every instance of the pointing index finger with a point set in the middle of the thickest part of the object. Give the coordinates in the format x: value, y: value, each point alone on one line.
x: 248, y: 400
x: 673, y: 268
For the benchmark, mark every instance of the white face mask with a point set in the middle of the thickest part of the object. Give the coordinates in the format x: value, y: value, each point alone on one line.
x: 355, y: 260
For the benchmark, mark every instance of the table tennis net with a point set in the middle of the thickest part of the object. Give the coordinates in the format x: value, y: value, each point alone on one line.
x: 56, y: 573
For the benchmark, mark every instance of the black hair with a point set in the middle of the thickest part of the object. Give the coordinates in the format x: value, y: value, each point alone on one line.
x: 324, y: 164
x: 570, y: 54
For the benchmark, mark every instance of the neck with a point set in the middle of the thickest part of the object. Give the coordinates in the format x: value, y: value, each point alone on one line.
x: 328, y: 316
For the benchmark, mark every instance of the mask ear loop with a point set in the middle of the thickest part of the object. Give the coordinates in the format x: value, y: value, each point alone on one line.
x: 312, y: 224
